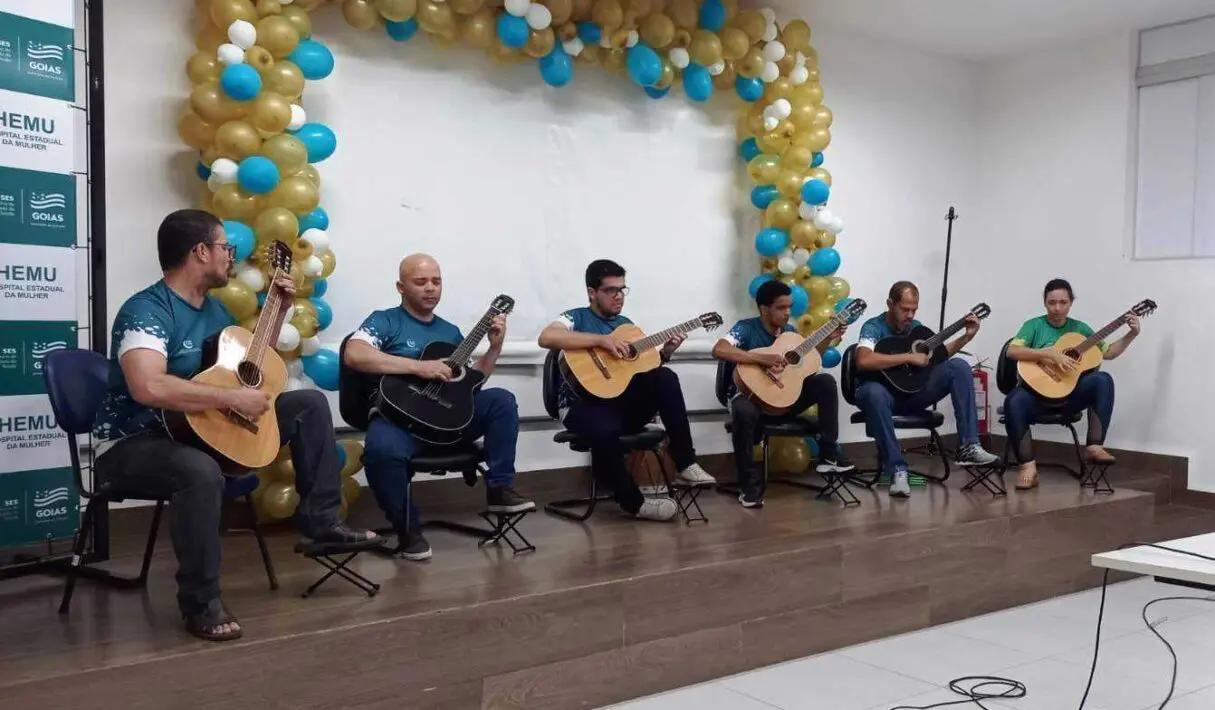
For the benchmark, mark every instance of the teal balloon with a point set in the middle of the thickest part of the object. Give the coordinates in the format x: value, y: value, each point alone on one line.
x: 655, y: 93
x: 824, y: 262
x: 643, y: 64
x: 402, y: 31
x: 748, y: 149
x: 322, y: 367
x: 771, y: 241
x: 316, y: 219
x: 512, y: 31
x: 832, y: 358
x: 815, y: 192
x: 313, y: 58
x: 556, y: 68
x: 753, y: 287
x: 240, y: 235
x: 240, y: 81
x: 341, y: 454
x: 257, y: 175
x: 749, y: 88
x: 324, y: 313
x: 589, y: 32
x: 817, y: 161
x: 320, y: 287
x: 763, y: 195
x: 318, y: 139
x: 697, y: 82
x: 713, y: 15
x: 801, y: 300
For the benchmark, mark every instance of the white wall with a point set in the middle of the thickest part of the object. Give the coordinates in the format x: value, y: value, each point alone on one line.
x: 1053, y: 165
x: 657, y: 180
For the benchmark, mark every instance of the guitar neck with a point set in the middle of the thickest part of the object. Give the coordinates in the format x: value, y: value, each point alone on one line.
x: 940, y: 338
x: 465, y: 349
x: 1102, y: 334
x: 660, y: 338
x: 269, y: 323
x: 817, y: 337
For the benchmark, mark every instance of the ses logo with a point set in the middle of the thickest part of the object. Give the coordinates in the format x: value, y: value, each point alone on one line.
x: 51, y: 504
x: 45, y: 59
x: 47, y: 208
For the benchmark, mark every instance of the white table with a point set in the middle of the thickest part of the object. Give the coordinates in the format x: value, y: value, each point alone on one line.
x: 1167, y: 567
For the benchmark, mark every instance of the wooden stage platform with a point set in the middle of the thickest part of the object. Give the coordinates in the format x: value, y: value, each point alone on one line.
x: 602, y: 612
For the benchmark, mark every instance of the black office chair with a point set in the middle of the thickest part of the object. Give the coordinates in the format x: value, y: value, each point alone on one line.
x: 790, y: 426
x: 928, y: 420
x: 76, y: 383
x: 356, y: 397
x: 648, y: 440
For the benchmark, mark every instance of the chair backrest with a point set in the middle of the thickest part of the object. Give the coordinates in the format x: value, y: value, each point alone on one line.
x: 848, y: 381
x: 1006, y: 371
x: 725, y: 377
x: 76, y: 382
x: 551, y: 384
x: 356, y: 392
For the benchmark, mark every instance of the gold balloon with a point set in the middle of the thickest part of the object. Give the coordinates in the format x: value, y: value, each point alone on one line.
x: 840, y: 288
x: 287, y: 152
x: 803, y: 234
x: 540, y: 43
x: 297, y: 274
x: 818, y: 139
x: 657, y: 30
x: 818, y: 288
x: 684, y: 13
x: 705, y: 48
x: 789, y: 183
x: 788, y: 455
x: 618, y: 39
x: 581, y: 10
x: 208, y: 155
x: 213, y: 105
x: 825, y: 239
x: 202, y: 67
x: 350, y: 490
x: 734, y: 43
x: 276, y: 224
x: 502, y: 54
x: 752, y: 63
x: 782, y: 213
x: 300, y: 251
x: 281, y: 471
x: 607, y: 14
x: 259, y: 58
x: 237, y: 140
x: 613, y: 59
x: 803, y: 115
x: 802, y: 275
x: 786, y: 64
x: 360, y: 14
x: 302, y: 306
x: 265, y: 8
x: 802, y: 94
x: 796, y: 36
x: 270, y: 113
x: 779, y: 89
x: 436, y: 17
x: 797, y: 157
x: 329, y: 261
x: 305, y: 290
x: 821, y: 312
x: 479, y: 29
x: 824, y: 117
x: 727, y: 78
x: 805, y: 322
x: 284, y: 79
x: 787, y: 279
x: 250, y: 324
x: 767, y: 264
x: 306, y: 324
x: 296, y: 194
x: 354, y: 456
x: 299, y: 19
x: 238, y: 299
x: 682, y: 38
x: 278, y: 35
x: 225, y: 12
x: 559, y: 9
x: 668, y: 75
x: 397, y: 10
x: 753, y: 24
x: 206, y: 200
x: 567, y: 31
x: 307, y: 5
x: 821, y: 174
x: 231, y: 202
x: 776, y: 141
x: 764, y: 169
x: 590, y: 55
x: 310, y: 173
x: 279, y: 501
x: 196, y: 133
x: 209, y: 38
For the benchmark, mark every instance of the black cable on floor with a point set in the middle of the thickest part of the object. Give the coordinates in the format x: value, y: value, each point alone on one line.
x: 982, y: 687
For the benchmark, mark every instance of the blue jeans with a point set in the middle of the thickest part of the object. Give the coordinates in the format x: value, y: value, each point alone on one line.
x: 388, y: 450
x: 954, y: 378
x: 1094, y: 393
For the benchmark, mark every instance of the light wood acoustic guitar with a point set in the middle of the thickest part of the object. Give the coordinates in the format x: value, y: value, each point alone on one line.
x: 234, y: 357
x: 776, y: 394
x: 599, y: 373
x: 1051, y: 384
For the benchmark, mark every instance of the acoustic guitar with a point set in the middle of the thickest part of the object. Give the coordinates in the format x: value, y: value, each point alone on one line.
x: 909, y: 379
x: 776, y: 394
x: 599, y: 373
x: 1051, y: 384
x: 435, y: 411
x: 234, y: 358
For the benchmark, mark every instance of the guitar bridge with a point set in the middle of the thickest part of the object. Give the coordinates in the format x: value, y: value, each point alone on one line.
x: 241, y: 421
x: 432, y: 395
x: 603, y: 370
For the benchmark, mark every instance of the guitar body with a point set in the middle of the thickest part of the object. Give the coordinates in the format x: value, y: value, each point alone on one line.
x: 598, y: 373
x: 434, y: 411
x: 908, y: 379
x: 777, y: 396
x: 239, y: 446
x: 1057, y: 386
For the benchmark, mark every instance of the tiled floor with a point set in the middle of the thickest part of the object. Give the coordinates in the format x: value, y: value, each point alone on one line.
x: 1047, y: 646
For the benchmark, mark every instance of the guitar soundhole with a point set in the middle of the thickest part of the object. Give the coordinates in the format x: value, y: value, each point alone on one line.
x: 249, y: 374
x: 632, y: 353
x: 1072, y: 354
x: 793, y: 358
x: 919, y: 348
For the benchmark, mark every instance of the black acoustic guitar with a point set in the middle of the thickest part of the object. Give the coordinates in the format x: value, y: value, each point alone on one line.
x: 909, y: 379
x: 434, y: 411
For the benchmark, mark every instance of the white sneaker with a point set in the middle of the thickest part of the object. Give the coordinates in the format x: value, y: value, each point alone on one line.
x: 658, y: 509
x: 899, y: 487
x: 694, y: 475
x: 653, y: 490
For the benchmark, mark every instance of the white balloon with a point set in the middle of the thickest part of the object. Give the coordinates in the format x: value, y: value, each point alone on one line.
x: 770, y: 73
x: 298, y: 118
x: 769, y: 14
x: 319, y: 239
x: 242, y: 33
x: 786, y: 265
x: 807, y: 211
x: 213, y: 182
x: 573, y: 47
x: 836, y: 226
x: 799, y: 75
x: 770, y: 123
x: 293, y: 383
x: 781, y: 108
x: 799, y: 59
x: 251, y: 277
x: 538, y: 17
x: 307, y: 383
x: 288, y: 338
x: 801, y: 256
x: 310, y: 346
x: 295, y: 368
x: 605, y: 41
x: 680, y: 59
x: 230, y: 54
x: 518, y: 8
x: 717, y: 67
x: 633, y: 38
x: 224, y: 169
x: 774, y: 51
x: 313, y: 266
x: 824, y: 218
x: 771, y: 32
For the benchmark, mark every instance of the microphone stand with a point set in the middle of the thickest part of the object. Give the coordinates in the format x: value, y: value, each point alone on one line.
x: 951, y: 216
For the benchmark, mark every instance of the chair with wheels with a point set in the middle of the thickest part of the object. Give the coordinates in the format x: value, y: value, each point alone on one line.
x: 76, y: 383
x: 928, y: 420
x: 648, y: 440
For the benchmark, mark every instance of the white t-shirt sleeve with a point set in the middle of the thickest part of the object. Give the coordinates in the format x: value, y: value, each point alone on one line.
x: 142, y: 324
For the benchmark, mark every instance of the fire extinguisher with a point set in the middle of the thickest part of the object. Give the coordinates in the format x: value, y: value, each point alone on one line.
x: 981, y: 401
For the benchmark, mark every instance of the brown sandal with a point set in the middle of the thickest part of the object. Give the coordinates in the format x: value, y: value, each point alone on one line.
x: 205, y: 623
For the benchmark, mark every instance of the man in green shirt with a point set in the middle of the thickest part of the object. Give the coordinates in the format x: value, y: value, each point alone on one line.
x: 1094, y: 393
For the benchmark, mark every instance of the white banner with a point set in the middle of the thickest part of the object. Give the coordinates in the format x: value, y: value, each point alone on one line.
x: 57, y: 12
x: 37, y: 283
x: 30, y: 439
x: 36, y: 133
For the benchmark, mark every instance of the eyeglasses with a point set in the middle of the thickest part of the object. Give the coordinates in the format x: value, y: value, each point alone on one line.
x: 614, y: 291
x: 230, y: 248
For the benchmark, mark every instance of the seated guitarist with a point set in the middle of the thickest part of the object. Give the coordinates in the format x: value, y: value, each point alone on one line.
x: 388, y: 343
x: 775, y: 302
x: 1094, y: 393
x: 953, y: 378
x: 155, y: 346
x: 603, y: 421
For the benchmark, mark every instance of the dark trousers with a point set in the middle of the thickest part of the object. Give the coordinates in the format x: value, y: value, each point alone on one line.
x: 604, y: 421
x: 388, y: 450
x: 747, y: 421
x: 1094, y: 394
x: 150, y: 463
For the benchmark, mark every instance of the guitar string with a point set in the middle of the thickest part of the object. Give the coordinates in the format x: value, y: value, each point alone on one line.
x: 652, y: 341
x: 464, y: 349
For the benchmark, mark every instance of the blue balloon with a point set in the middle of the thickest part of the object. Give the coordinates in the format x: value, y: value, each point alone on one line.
x: 324, y: 314
x: 656, y: 93
x: 240, y: 236
x: 402, y: 31
x: 749, y: 88
x: 318, y: 139
x: 771, y: 241
x: 240, y: 81
x: 832, y: 358
x: 313, y: 58
x: 753, y: 287
x: 316, y: 219
x: 763, y: 195
x: 817, y: 161
x: 513, y: 31
x: 713, y: 15
x: 801, y: 300
x: 589, y: 32
x: 261, y: 298
x: 323, y: 369
x: 748, y: 149
x: 257, y: 175
x: 341, y: 454
x: 841, y: 304
x: 556, y: 68
x: 203, y: 171
x: 644, y: 65
x: 812, y: 444
x: 824, y: 262
x: 320, y: 287
x: 815, y: 192
x: 697, y: 83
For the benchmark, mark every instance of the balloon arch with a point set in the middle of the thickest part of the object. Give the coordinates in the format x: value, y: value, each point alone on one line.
x: 258, y: 151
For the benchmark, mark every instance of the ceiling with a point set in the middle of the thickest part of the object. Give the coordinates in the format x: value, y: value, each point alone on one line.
x: 985, y: 29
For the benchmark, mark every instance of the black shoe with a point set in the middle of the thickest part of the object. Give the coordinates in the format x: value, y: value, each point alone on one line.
x: 506, y: 500
x: 341, y: 534
x: 832, y: 460
x: 750, y: 500
x: 413, y: 546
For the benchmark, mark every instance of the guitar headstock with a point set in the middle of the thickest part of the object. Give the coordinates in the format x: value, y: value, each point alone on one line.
x: 1144, y: 308
x: 502, y: 305
x: 278, y: 256
x: 855, y: 309
x: 981, y: 311
x: 710, y: 321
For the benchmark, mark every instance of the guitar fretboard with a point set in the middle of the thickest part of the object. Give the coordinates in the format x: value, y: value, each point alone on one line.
x: 935, y: 341
x: 266, y: 332
x: 1102, y: 334
x: 660, y: 338
x: 465, y: 349
x: 816, y: 338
